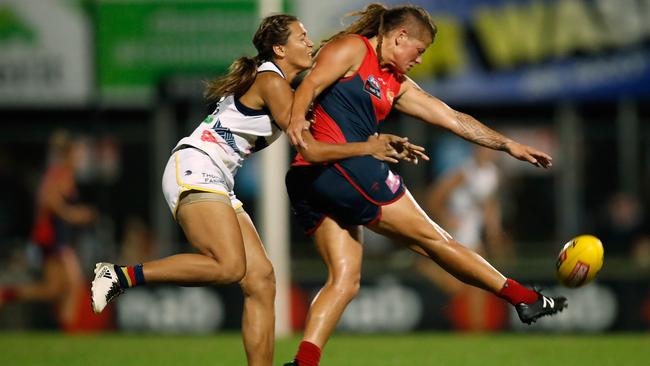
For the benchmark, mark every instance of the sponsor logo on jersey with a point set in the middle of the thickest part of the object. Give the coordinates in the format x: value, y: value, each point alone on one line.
x: 392, y: 181
x: 210, y: 178
x: 225, y: 134
x: 372, y: 87
x: 208, y: 137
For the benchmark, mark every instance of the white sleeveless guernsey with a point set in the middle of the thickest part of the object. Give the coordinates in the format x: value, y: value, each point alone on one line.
x: 233, y: 131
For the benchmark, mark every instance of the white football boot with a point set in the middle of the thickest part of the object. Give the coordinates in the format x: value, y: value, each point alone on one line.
x: 105, y: 286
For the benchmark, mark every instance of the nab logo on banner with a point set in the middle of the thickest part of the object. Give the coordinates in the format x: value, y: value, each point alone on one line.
x: 387, y: 306
x: 170, y: 310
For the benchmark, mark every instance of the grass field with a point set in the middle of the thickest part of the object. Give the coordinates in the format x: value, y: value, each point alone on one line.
x: 51, y: 349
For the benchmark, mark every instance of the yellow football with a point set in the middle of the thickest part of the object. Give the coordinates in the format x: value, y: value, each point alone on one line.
x: 579, y: 261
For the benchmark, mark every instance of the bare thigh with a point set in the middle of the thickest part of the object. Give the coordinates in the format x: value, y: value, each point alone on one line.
x: 341, y: 248
x: 405, y: 221
x: 213, y: 228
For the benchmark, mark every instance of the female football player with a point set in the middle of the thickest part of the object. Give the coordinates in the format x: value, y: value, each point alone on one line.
x: 254, y: 105
x: 357, y: 78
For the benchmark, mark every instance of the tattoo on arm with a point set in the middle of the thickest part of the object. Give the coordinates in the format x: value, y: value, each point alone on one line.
x: 474, y: 131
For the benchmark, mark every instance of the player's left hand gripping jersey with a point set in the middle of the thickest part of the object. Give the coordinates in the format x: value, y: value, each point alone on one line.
x: 233, y: 131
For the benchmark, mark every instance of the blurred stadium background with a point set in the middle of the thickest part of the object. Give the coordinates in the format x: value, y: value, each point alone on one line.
x: 571, y: 77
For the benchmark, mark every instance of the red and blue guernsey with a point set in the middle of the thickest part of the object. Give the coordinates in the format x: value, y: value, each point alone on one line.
x: 352, y: 108
x: 350, y: 190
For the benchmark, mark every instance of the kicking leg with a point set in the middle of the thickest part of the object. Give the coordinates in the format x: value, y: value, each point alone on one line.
x: 405, y: 221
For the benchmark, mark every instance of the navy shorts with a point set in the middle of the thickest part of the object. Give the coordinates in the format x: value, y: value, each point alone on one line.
x: 350, y: 191
x: 51, y: 234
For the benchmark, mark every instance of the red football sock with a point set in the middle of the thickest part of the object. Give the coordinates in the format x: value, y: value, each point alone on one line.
x: 515, y: 293
x: 308, y: 354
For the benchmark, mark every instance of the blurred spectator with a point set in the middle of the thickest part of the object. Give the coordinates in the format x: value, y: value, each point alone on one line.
x: 464, y: 201
x: 58, y: 217
x: 623, y: 231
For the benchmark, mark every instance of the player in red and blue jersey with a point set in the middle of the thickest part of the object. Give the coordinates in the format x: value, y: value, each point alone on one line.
x: 349, y: 111
x: 59, y: 218
x: 357, y: 78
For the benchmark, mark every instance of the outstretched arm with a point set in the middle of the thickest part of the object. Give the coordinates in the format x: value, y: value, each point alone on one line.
x: 418, y: 103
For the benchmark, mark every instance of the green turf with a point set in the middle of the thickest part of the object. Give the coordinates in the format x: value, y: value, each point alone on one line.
x: 51, y: 349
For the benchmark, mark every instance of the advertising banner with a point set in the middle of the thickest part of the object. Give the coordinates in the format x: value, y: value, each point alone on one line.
x: 522, y: 51
x: 45, y: 56
x: 391, y: 304
x: 142, y: 42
